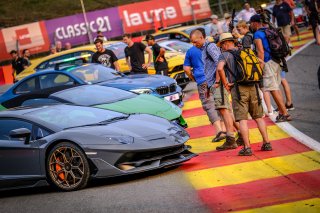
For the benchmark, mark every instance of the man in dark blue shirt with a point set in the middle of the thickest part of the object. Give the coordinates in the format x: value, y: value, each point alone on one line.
x: 282, y: 13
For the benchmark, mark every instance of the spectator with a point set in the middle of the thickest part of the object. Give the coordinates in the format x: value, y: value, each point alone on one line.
x: 313, y: 9
x: 194, y: 68
x: 246, y: 13
x: 246, y: 35
x: 292, y: 5
x: 160, y: 62
x: 215, y: 28
x: 67, y: 46
x: 100, y: 36
x: 226, y: 23
x: 26, y: 58
x: 53, y: 50
x: 210, y: 56
x: 249, y: 99
x: 104, y: 56
x: 271, y: 69
x: 282, y: 12
x: 58, y: 45
x: 17, y: 64
x: 134, y: 53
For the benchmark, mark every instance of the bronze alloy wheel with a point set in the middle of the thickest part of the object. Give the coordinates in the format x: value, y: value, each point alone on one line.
x: 68, y: 167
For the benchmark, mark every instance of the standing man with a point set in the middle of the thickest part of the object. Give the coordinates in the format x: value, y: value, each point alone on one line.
x: 134, y: 53
x: 26, y: 58
x: 313, y: 9
x: 58, y: 45
x: 271, y: 68
x: 282, y: 12
x: 194, y: 68
x: 104, y: 56
x: 17, y: 64
x: 246, y: 13
x: 101, y: 36
x: 249, y: 98
x: 210, y: 55
x: 215, y: 28
x: 160, y: 62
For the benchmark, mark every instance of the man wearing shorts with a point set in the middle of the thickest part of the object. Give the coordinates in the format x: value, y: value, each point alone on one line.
x: 271, y: 69
x: 248, y: 103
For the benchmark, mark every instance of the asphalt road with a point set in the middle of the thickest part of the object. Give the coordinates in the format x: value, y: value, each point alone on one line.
x: 302, y: 77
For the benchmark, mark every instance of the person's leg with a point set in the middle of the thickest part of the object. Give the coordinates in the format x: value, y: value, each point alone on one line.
x: 245, y: 133
x: 267, y: 100
x: 263, y: 129
x: 228, y: 121
x: 296, y: 30
x: 287, y: 92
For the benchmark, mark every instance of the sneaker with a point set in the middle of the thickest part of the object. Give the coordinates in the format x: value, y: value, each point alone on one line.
x: 245, y: 152
x: 219, y: 137
x: 266, y: 147
x: 283, y: 118
x: 229, y: 144
x: 290, y: 107
x: 240, y: 141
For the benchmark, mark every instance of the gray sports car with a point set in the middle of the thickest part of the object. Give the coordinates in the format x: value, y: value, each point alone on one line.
x: 67, y: 145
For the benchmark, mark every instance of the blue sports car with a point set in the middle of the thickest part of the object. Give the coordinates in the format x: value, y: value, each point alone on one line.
x: 157, y: 85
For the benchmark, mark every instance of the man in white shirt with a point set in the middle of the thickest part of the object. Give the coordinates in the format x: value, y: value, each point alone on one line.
x: 246, y: 13
x: 215, y: 28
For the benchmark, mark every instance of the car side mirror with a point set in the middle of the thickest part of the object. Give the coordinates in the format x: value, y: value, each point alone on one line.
x: 21, y: 133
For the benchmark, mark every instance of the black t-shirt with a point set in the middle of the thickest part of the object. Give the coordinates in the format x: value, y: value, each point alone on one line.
x: 18, y: 64
x: 136, y: 54
x: 247, y: 41
x: 106, y: 58
x: 282, y: 14
x: 159, y: 66
x: 311, y: 5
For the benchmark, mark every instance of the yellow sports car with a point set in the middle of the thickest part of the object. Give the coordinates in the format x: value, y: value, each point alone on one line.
x: 175, y: 61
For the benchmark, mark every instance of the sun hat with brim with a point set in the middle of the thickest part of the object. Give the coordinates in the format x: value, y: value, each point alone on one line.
x: 225, y: 37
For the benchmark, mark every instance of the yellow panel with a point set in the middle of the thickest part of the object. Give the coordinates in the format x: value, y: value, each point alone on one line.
x: 255, y: 170
x: 192, y: 104
x: 204, y: 144
x: 307, y: 206
x: 196, y: 121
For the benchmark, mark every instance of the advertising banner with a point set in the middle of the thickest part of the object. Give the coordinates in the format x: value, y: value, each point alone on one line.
x: 73, y: 28
x: 28, y: 36
x: 142, y: 16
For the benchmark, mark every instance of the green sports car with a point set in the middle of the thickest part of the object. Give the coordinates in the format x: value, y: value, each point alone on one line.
x: 100, y: 97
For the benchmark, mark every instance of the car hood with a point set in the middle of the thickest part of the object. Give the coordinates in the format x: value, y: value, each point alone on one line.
x: 147, y: 131
x: 147, y: 104
x: 139, y: 81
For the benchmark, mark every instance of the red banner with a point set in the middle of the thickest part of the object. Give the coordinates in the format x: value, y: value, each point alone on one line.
x: 28, y: 36
x: 140, y: 16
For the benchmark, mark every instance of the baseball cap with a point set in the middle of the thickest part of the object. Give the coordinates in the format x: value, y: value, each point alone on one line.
x: 255, y: 18
x: 214, y: 17
x: 149, y: 37
x: 226, y: 15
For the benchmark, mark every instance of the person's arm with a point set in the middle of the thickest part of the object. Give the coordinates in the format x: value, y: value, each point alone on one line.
x: 260, y: 51
x: 160, y: 57
x: 116, y: 65
x: 187, y: 70
x: 222, y: 75
x: 149, y: 51
x: 127, y: 58
x: 25, y: 63
x: 115, y: 60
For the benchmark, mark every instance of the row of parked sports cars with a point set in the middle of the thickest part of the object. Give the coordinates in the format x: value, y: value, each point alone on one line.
x: 67, y: 121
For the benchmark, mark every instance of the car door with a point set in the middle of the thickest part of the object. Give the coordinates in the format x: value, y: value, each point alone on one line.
x: 52, y: 80
x: 18, y: 161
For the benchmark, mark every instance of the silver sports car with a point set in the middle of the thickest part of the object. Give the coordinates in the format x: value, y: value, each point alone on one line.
x: 67, y: 145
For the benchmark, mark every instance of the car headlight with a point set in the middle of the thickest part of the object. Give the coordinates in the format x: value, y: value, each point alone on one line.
x: 142, y: 91
x: 118, y: 140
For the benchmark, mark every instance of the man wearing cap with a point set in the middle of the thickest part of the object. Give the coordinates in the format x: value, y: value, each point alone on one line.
x: 271, y: 69
x: 160, y: 62
x: 104, y: 56
x: 246, y: 13
x: 215, y: 28
x: 248, y: 103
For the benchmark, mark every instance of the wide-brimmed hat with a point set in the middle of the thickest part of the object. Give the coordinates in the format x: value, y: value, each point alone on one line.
x: 225, y: 37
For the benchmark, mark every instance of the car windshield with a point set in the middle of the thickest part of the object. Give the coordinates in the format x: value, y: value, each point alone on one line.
x: 93, y: 95
x: 179, y: 46
x: 206, y: 28
x: 65, y: 116
x: 118, y: 49
x: 94, y: 73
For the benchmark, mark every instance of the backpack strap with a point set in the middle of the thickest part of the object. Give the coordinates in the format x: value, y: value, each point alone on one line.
x: 207, y: 52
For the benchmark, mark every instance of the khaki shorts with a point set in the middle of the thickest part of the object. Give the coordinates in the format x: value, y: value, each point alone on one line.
x: 247, y: 104
x: 271, y: 76
x: 218, y: 98
x: 286, y: 30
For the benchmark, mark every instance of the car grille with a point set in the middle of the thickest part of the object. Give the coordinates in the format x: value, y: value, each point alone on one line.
x: 163, y: 90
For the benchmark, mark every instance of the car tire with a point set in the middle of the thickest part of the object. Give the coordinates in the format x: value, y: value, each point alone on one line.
x: 67, y: 167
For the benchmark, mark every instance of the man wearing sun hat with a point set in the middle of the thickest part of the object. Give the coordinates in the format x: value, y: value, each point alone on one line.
x: 248, y: 103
